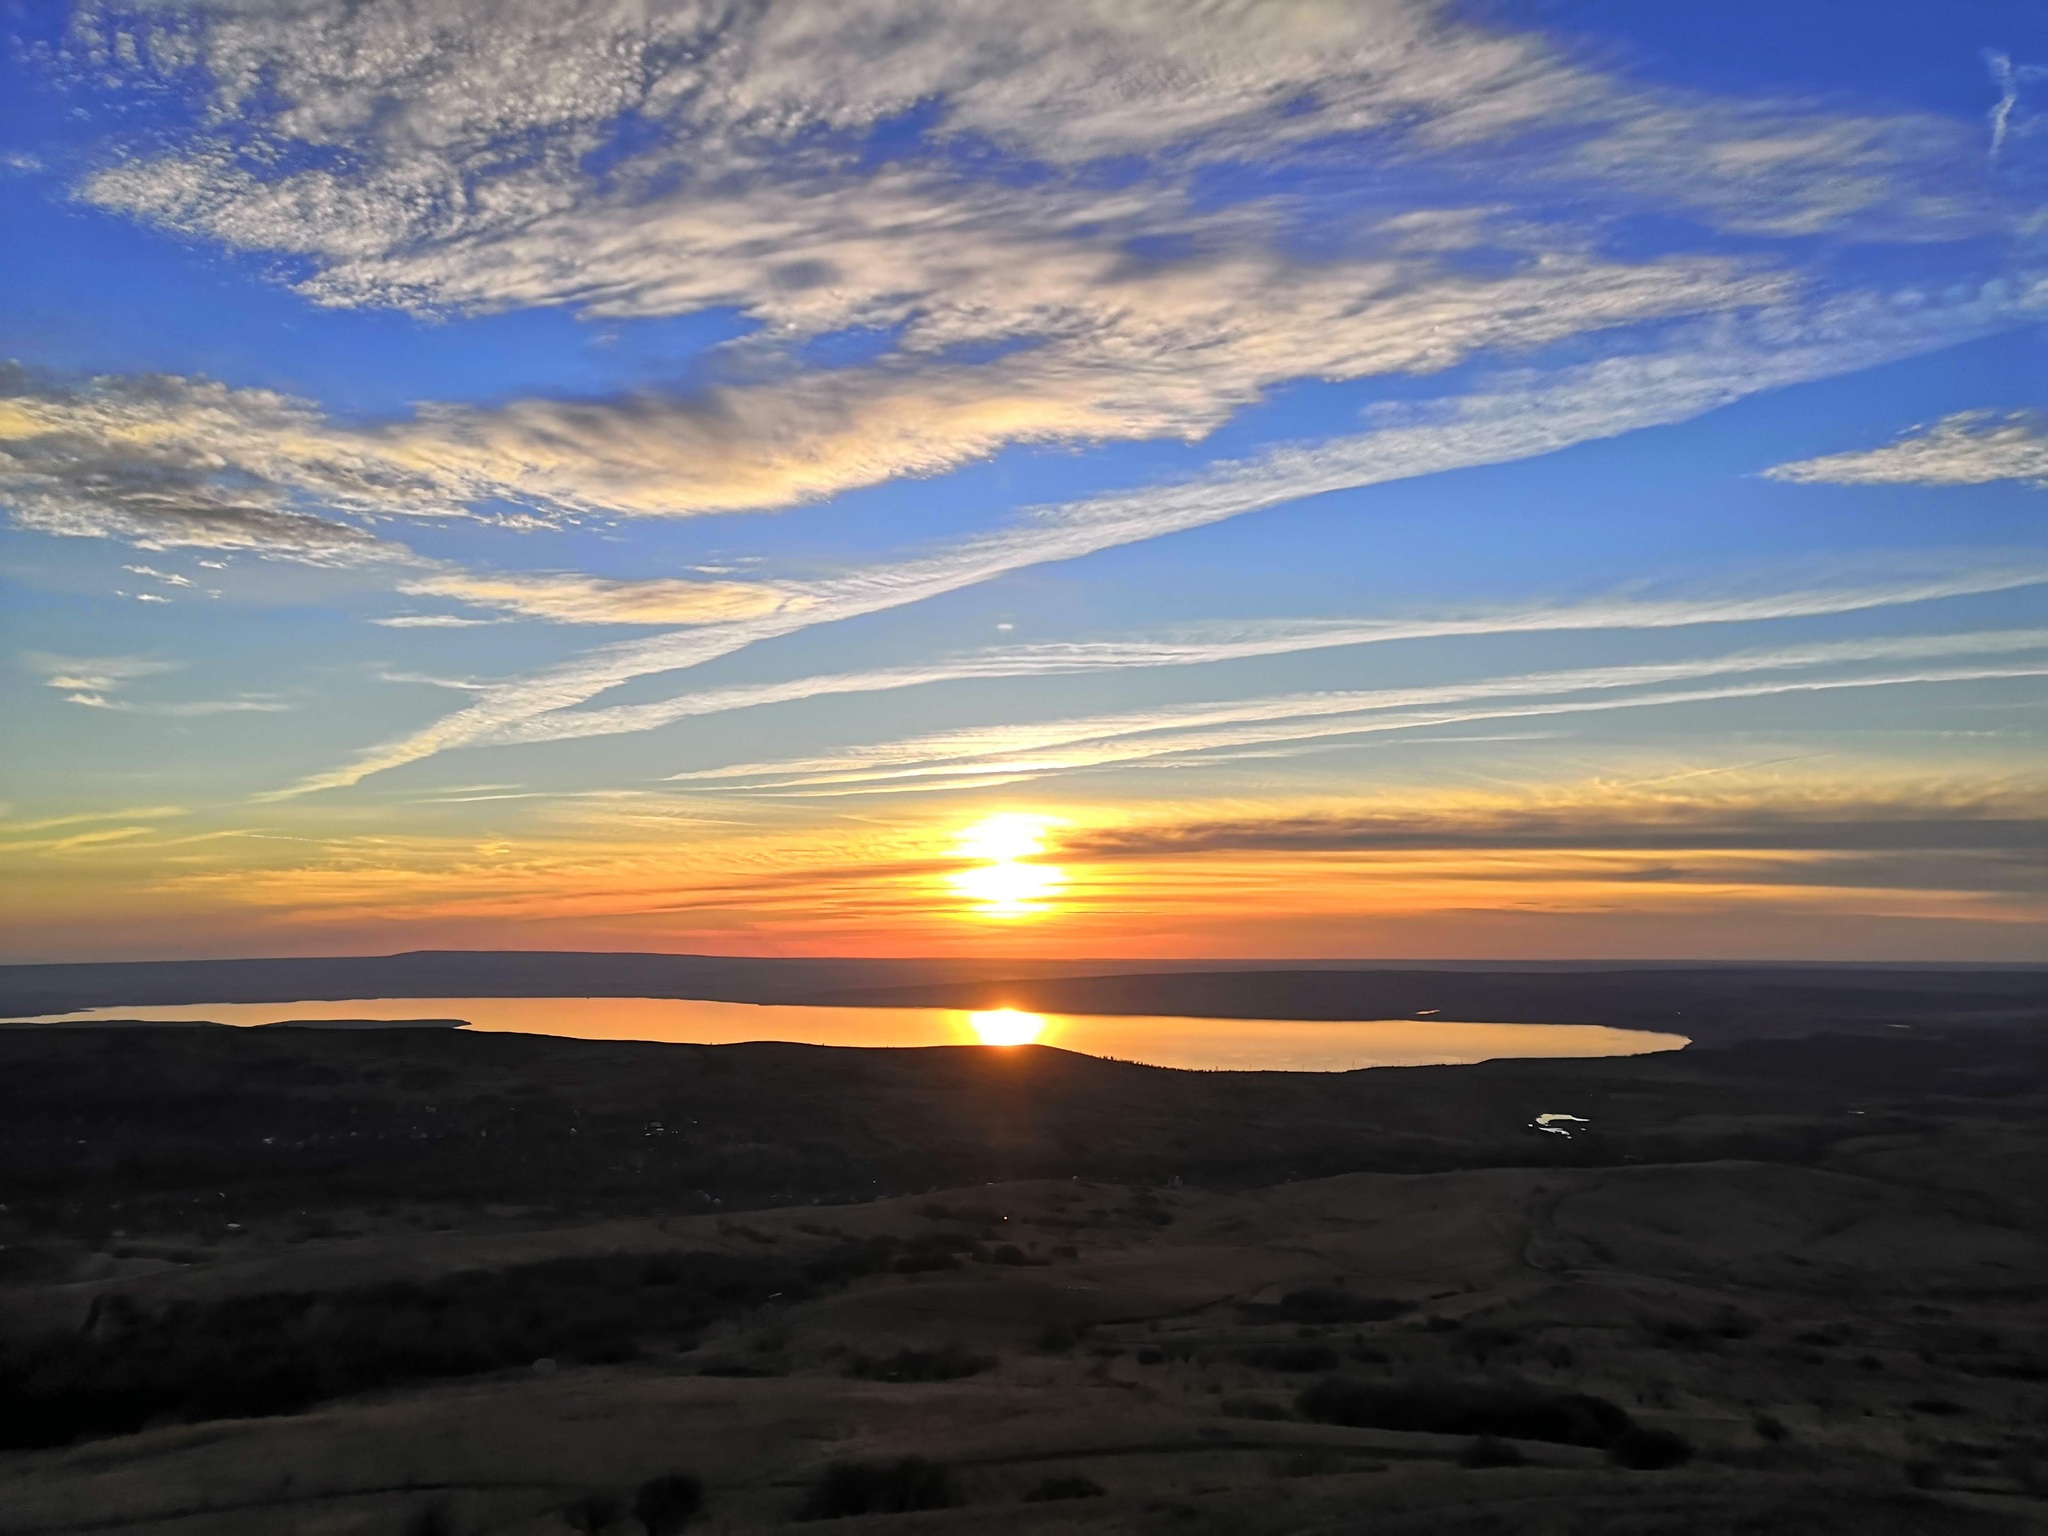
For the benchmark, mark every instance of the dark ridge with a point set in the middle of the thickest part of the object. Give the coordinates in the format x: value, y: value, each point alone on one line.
x: 1721, y: 1002
x: 34, y: 989
x: 197, y: 1127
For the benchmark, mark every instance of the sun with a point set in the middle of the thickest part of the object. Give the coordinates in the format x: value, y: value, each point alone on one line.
x: 1004, y: 837
x: 1006, y: 1026
x: 1006, y: 883
x: 1008, y: 890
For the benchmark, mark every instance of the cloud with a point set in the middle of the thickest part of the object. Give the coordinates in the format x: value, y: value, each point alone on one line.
x: 2007, y: 116
x: 1046, y: 248
x: 168, y: 578
x: 167, y: 462
x: 1512, y: 416
x: 660, y: 159
x: 1758, y: 817
x: 92, y: 682
x: 669, y: 159
x: 672, y: 159
x: 129, y: 813
x: 1968, y: 448
x: 1120, y: 351
x: 1178, y: 732
x: 432, y: 621
x: 1242, y: 642
x: 1133, y: 351
x: 87, y: 680
x: 576, y: 599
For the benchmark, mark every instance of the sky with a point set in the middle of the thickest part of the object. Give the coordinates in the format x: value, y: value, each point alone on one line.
x: 1238, y: 478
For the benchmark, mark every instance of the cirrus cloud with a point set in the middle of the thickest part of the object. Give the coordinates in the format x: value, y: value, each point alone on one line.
x: 1968, y: 448
x: 568, y: 598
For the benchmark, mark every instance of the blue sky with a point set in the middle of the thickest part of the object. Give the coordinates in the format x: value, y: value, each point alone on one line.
x: 566, y: 473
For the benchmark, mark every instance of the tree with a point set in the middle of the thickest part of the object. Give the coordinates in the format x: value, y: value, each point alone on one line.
x: 594, y: 1514
x: 664, y: 1505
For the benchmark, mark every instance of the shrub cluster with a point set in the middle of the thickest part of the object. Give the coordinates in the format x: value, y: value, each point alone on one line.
x: 1511, y: 1410
x: 1329, y: 1304
x: 879, y: 1488
x: 948, y: 1362
x: 1304, y: 1355
x: 1072, y: 1486
x: 1494, y: 1412
x: 252, y: 1356
x: 663, y: 1506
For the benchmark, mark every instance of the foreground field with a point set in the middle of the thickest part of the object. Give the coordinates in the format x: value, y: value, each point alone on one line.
x: 1794, y: 1286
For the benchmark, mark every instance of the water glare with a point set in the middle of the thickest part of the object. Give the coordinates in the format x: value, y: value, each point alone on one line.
x: 1006, y: 1026
x: 1298, y: 1045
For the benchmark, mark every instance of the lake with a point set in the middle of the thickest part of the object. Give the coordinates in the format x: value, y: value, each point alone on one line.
x: 1296, y: 1045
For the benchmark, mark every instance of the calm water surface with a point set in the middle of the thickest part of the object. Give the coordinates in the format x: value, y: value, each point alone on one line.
x: 1237, y: 1044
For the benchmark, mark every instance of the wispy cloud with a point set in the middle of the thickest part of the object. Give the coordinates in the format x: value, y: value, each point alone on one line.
x: 1968, y: 448
x: 1107, y: 740
x: 566, y: 598
x: 168, y: 578
x: 96, y: 682
x: 1243, y: 642
x: 88, y: 680
x: 167, y: 463
x: 1518, y: 416
x: 2009, y: 79
x: 1761, y: 817
x: 744, y: 185
x: 83, y: 818
x: 432, y: 621
x: 454, y: 165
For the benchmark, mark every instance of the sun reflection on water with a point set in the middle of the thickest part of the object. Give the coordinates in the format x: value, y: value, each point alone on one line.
x: 1006, y: 1026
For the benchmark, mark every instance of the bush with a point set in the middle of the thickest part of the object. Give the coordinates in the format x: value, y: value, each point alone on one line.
x: 1484, y: 1340
x: 2028, y: 1466
x: 594, y: 1514
x: 1331, y: 1304
x: 1677, y: 1333
x: 1289, y: 1357
x: 1252, y: 1408
x: 928, y: 1261
x: 664, y: 1505
x: 1447, y: 1408
x: 430, y: 1520
x: 1924, y: 1473
x: 949, y: 1362
x: 281, y: 1352
x: 1072, y: 1486
x: 1491, y: 1451
x: 1648, y: 1450
x: 879, y: 1488
x: 1771, y: 1429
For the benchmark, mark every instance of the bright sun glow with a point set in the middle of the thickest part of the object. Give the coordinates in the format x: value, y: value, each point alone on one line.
x: 1008, y: 890
x: 1004, y: 838
x: 1005, y: 886
x: 1006, y: 1026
